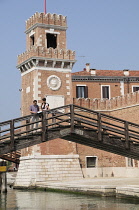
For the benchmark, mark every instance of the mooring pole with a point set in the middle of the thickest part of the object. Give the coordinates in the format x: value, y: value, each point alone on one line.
x: 3, y: 177
x: 4, y: 182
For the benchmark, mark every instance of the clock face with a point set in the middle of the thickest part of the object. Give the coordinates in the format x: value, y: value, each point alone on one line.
x: 53, y: 82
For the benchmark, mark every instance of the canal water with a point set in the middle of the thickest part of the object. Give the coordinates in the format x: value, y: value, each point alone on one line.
x: 41, y: 200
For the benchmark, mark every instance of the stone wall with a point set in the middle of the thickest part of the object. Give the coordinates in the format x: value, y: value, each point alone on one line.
x: 45, y: 168
x: 120, y: 172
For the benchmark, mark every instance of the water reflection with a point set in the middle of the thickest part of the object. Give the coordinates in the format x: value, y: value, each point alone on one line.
x: 38, y: 200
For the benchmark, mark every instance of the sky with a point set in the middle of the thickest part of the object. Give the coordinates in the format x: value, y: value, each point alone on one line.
x: 104, y: 33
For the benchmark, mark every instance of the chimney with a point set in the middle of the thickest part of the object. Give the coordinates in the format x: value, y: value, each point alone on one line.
x: 126, y: 72
x: 87, y: 67
x: 93, y: 72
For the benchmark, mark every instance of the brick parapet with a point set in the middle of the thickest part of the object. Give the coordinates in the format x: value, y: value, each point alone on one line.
x: 48, y: 53
x: 129, y: 99
x: 49, y: 19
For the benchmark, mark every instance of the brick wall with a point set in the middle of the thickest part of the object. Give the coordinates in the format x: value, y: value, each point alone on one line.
x: 125, y: 107
x: 118, y: 102
x: 54, y: 147
x: 48, y: 18
x: 45, y: 52
x: 34, y: 86
x: 104, y: 159
x: 94, y: 88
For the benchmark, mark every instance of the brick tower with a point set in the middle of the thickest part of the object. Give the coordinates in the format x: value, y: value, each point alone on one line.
x: 46, y: 65
x: 46, y: 72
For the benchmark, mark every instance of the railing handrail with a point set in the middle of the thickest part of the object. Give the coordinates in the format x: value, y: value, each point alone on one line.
x: 66, y: 106
x: 70, y: 114
x: 102, y: 114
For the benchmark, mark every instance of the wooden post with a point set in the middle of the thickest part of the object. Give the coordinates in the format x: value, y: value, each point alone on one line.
x: 4, y: 182
x: 3, y: 177
x: 27, y: 126
x: 72, y: 117
x: 127, y: 144
x: 99, y: 127
x: 53, y: 119
x: 44, y: 123
x: 12, y: 134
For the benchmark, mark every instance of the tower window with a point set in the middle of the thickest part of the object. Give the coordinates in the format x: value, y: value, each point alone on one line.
x: 51, y: 40
x: 81, y: 92
x: 32, y: 40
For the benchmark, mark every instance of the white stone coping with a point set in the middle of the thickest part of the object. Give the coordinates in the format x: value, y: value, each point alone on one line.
x: 49, y: 157
x: 84, y: 188
x: 67, y: 70
x: 128, y: 189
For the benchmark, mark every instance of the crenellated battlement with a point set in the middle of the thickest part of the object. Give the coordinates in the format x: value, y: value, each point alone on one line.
x: 118, y: 102
x: 48, y: 19
x: 46, y: 53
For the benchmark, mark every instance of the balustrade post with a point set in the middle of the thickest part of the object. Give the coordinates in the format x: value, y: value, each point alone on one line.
x: 53, y: 119
x: 27, y: 126
x: 127, y: 144
x: 12, y: 134
x: 72, y: 117
x: 44, y: 124
x: 99, y: 127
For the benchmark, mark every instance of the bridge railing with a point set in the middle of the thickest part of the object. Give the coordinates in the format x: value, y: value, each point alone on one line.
x: 69, y: 115
x: 100, y: 122
x: 12, y: 129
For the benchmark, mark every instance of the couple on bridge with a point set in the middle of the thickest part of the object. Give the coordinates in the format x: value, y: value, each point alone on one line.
x: 35, y: 110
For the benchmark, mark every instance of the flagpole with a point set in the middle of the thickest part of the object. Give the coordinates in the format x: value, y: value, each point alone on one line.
x: 45, y: 6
